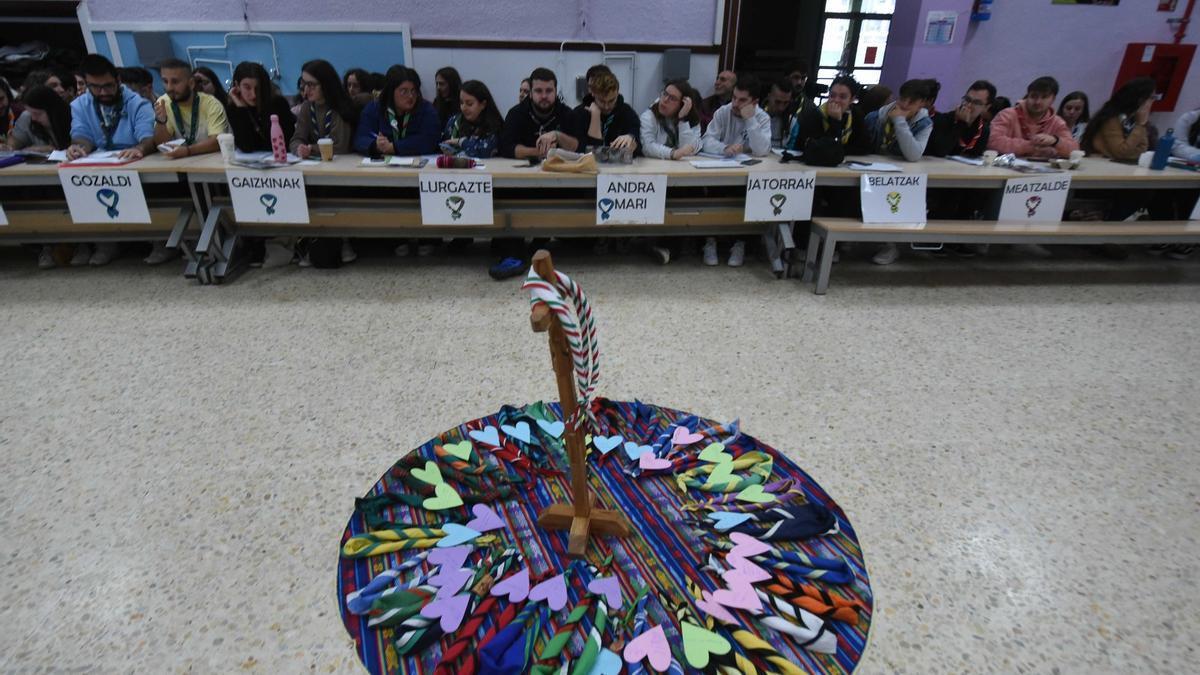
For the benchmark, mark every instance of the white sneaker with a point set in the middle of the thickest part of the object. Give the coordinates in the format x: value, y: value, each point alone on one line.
x: 402, y: 250
x: 103, y: 254
x: 661, y: 253
x: 348, y: 254
x: 276, y: 254
x: 710, y: 252
x: 304, y: 261
x: 737, y: 254
x: 886, y: 255
x: 83, y: 253
x: 160, y: 254
x: 425, y: 250
x: 46, y: 259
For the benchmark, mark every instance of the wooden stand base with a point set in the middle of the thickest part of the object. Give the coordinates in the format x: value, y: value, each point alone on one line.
x: 599, y: 522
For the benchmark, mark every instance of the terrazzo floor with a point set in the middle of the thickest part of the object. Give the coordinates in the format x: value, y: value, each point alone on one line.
x: 1015, y: 441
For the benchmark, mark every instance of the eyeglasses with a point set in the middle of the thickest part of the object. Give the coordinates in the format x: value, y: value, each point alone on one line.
x: 406, y: 92
x: 306, y: 84
x: 108, y: 86
x: 669, y: 97
x: 973, y: 101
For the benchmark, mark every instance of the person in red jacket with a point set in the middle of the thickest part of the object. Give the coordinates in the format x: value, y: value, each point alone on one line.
x: 1031, y: 128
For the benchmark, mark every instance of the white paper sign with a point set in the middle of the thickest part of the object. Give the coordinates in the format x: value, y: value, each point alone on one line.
x: 458, y: 198
x: 1195, y: 211
x: 630, y: 199
x: 3, y: 216
x: 268, y: 196
x: 1035, y: 199
x: 779, y: 196
x: 893, y: 197
x: 104, y: 196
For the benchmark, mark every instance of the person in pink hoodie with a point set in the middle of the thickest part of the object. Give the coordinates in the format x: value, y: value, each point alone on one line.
x: 1031, y: 128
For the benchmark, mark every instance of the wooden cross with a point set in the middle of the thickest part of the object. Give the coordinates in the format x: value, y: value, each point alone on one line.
x: 581, y: 518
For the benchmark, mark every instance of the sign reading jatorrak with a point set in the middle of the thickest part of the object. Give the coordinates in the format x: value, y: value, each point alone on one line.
x: 104, y: 196
x: 779, y: 196
x: 456, y: 198
x: 268, y: 196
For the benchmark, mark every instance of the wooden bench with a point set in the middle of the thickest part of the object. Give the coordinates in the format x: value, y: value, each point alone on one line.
x: 828, y: 232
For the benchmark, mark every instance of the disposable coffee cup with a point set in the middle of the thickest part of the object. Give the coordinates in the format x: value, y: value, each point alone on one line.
x: 1145, y: 158
x: 1077, y: 157
x: 225, y: 142
x: 989, y: 157
x: 326, y: 146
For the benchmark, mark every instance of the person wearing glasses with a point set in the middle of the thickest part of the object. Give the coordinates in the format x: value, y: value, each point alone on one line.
x: 670, y: 127
x: 207, y: 82
x: 400, y: 122
x: 964, y: 130
x: 325, y: 112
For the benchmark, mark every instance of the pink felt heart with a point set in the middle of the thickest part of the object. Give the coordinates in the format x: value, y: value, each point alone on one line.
x: 648, y: 462
x: 651, y: 645
x: 449, y: 611
x: 485, y: 519
x: 713, y: 609
x: 610, y: 588
x: 747, y: 570
x: 746, y: 546
x: 682, y: 436
x: 553, y: 591
x: 740, y: 596
x: 515, y: 586
x: 452, y: 557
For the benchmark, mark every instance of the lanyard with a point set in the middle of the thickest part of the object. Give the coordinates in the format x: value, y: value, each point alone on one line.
x: 672, y: 135
x: 605, y: 124
x: 399, y: 129
x: 322, y: 131
x: 551, y: 122
x: 109, y: 121
x: 191, y: 134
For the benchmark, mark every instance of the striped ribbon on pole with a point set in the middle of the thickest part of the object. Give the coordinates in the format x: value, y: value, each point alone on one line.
x: 570, y: 306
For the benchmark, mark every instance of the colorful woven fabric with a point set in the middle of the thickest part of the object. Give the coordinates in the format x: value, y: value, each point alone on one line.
x: 663, y: 553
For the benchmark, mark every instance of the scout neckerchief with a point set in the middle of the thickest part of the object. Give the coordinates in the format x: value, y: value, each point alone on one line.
x: 789, y: 523
x: 762, y: 657
x: 190, y: 137
x: 1127, y: 124
x: 550, y: 123
x: 758, y: 464
x: 970, y: 145
x: 399, y: 126
x: 847, y: 118
x: 639, y: 627
x: 605, y: 123
x: 324, y: 130
x: 889, y: 132
x: 792, y: 563
x: 109, y: 118
x: 672, y: 133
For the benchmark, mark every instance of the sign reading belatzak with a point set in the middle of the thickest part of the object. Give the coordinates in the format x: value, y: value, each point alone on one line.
x: 268, y: 196
x: 893, y: 198
x: 779, y: 196
x: 460, y: 198
x: 1035, y: 199
x: 630, y: 199
x: 104, y: 196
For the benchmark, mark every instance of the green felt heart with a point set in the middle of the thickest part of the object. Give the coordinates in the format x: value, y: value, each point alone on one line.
x: 461, y: 450
x: 715, y: 453
x: 720, y: 475
x: 430, y: 474
x: 444, y: 497
x: 755, y: 495
x: 698, y: 643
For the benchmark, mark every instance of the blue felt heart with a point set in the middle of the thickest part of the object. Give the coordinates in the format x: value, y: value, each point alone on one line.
x: 555, y: 428
x: 727, y: 520
x: 634, y: 450
x: 520, y: 431
x: 605, y: 444
x: 488, y: 435
x: 455, y: 535
x: 607, y: 663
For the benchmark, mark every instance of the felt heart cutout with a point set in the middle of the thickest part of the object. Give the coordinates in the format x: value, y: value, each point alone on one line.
x: 714, y: 609
x: 721, y: 473
x: 745, y: 571
x: 516, y: 586
x: 455, y: 580
x: 699, y: 643
x: 552, y: 590
x: 726, y: 520
x: 555, y: 428
x: 455, y: 535
x: 745, y: 546
x: 430, y: 474
x: 444, y: 497
x: 461, y: 450
x: 635, y: 451
x: 453, y: 557
x: 755, y: 495
x: 520, y: 431
x: 610, y: 588
x: 449, y: 611
x: 605, y: 444
x: 741, y: 596
x: 715, y: 454
x: 651, y: 645
x: 607, y: 663
x: 485, y: 519
x: 488, y: 435
x: 648, y: 462
x: 681, y: 436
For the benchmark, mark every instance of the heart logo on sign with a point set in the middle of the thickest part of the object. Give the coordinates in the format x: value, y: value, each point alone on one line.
x: 778, y: 200
x: 109, y: 198
x: 269, y: 201
x: 1032, y: 205
x: 455, y: 204
x: 893, y: 200
x: 606, y: 206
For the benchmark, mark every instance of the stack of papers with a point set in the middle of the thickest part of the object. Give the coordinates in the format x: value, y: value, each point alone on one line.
x: 261, y: 160
x: 871, y: 166
x: 715, y: 163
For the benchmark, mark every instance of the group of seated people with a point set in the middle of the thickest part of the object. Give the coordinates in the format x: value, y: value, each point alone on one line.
x: 107, y: 109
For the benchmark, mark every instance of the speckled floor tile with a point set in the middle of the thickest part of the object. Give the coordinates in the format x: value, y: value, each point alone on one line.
x: 1014, y: 440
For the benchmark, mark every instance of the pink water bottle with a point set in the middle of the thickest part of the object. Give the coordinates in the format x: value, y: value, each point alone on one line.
x: 278, y: 146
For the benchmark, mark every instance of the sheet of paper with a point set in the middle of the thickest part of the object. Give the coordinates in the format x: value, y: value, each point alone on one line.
x: 871, y: 166
x: 170, y: 145
x: 737, y: 158
x: 411, y: 162
x: 973, y: 161
x: 57, y: 156
x: 715, y: 163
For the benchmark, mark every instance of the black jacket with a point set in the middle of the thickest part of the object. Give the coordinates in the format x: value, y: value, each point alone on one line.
x: 623, y: 120
x: 252, y: 132
x: 951, y: 136
x: 522, y: 127
x: 810, y: 122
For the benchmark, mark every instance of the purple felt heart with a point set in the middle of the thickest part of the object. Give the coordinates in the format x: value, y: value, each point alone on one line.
x: 452, y: 557
x: 651, y: 645
x: 610, y: 588
x: 713, y: 609
x: 739, y: 596
x: 682, y: 436
x: 515, y: 586
x: 450, y: 580
x: 553, y: 591
x: 485, y: 519
x: 747, y: 570
x: 449, y: 611
x: 648, y: 462
x: 746, y: 546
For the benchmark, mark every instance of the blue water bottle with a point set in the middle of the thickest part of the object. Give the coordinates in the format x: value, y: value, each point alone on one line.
x: 1163, y: 151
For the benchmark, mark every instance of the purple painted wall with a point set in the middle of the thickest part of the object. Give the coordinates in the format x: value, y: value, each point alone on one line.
x: 689, y: 22
x: 908, y: 56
